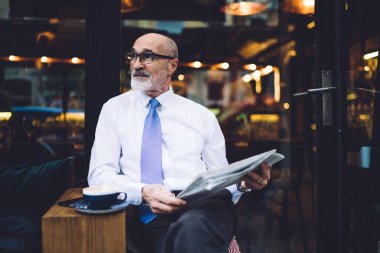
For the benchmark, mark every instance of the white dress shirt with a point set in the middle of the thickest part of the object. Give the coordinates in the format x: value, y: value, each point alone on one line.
x: 192, y: 143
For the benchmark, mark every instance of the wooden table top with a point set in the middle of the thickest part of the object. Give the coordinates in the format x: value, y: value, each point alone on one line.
x: 60, y: 211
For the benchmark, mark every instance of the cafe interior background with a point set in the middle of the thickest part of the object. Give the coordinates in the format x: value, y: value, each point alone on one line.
x: 256, y: 68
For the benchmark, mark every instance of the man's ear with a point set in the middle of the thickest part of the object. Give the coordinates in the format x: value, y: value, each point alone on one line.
x: 172, y: 66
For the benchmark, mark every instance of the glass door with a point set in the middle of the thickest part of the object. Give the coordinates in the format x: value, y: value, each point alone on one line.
x: 347, y: 44
x: 363, y: 127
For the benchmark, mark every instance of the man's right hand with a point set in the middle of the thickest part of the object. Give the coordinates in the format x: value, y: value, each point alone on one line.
x: 160, y: 200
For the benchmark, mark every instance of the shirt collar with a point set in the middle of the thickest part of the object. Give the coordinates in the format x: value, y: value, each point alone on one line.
x: 164, y: 99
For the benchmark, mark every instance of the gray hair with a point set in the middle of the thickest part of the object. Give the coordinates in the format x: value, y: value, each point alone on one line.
x: 172, y: 47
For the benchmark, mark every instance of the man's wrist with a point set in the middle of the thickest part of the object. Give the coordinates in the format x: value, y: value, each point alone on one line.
x: 143, y: 200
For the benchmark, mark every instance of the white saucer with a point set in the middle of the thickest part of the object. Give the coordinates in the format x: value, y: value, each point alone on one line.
x: 113, y: 209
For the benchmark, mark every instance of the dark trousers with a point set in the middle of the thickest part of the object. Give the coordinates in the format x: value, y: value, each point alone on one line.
x: 206, y: 226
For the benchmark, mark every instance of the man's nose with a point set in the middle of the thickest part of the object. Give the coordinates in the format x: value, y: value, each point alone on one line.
x: 137, y: 64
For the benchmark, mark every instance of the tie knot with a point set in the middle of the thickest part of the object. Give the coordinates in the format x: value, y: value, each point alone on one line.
x: 154, y: 103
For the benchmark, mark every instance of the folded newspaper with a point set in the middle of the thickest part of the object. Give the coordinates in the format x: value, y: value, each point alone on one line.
x: 229, y: 175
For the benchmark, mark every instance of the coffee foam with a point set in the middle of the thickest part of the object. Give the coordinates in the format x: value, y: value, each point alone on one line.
x: 99, y: 190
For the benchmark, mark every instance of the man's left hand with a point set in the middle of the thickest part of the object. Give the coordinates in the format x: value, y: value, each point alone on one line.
x: 254, y: 180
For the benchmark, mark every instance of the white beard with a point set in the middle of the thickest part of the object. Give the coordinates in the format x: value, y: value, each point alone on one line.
x: 148, y: 84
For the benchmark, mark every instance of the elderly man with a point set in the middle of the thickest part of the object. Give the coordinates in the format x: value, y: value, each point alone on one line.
x: 151, y: 143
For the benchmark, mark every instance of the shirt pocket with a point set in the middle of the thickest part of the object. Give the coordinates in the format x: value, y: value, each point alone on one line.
x: 189, y: 144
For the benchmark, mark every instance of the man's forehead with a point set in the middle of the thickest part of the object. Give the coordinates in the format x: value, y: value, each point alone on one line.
x: 142, y: 50
x: 148, y: 43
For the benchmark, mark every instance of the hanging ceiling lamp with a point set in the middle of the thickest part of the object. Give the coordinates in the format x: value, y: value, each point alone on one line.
x: 131, y: 5
x: 304, y: 7
x: 243, y: 8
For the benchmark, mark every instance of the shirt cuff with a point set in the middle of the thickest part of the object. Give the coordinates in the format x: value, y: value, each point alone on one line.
x: 236, y: 194
x: 134, y: 196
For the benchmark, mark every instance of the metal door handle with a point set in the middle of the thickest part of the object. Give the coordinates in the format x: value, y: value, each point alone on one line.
x: 314, y: 91
x: 326, y: 90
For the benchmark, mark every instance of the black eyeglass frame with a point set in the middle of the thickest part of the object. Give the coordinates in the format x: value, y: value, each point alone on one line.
x: 128, y: 57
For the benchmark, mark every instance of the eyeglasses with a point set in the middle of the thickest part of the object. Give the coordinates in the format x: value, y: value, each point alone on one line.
x: 145, y: 57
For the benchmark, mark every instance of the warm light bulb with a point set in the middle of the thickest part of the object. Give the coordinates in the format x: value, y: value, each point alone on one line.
x: 256, y: 75
x: 252, y: 66
x: 44, y: 59
x: 197, y: 64
x: 225, y: 65
x: 245, y: 8
x: 311, y: 25
x: 286, y: 106
x: 247, y: 78
x: 267, y: 70
x: 181, y: 77
x: 75, y: 60
x: 12, y: 58
x: 308, y: 3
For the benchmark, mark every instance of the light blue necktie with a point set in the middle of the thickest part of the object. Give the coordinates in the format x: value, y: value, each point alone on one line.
x: 151, y: 156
